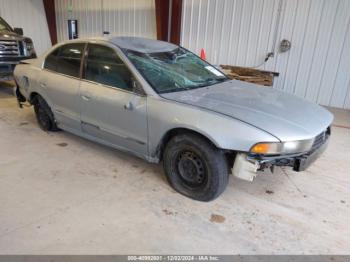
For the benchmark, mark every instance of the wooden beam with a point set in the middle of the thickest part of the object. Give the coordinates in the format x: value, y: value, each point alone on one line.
x: 162, y: 20
x: 49, y: 6
x: 162, y: 16
x: 176, y: 14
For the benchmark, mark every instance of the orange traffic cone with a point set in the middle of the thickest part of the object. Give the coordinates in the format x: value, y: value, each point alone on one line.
x: 202, y: 56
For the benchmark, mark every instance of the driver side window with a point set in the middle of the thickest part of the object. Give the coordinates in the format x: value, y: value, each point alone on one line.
x: 105, y: 67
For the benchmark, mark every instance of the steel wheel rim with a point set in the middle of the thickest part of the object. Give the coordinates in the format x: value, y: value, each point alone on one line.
x: 191, y: 169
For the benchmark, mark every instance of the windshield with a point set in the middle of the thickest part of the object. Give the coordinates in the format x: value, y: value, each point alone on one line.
x: 175, y: 70
x: 4, y: 26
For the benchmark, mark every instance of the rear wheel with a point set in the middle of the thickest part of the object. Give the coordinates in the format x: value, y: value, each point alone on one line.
x: 195, y: 167
x: 44, y: 114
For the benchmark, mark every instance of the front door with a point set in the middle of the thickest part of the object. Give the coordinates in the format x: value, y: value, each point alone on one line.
x: 110, y: 110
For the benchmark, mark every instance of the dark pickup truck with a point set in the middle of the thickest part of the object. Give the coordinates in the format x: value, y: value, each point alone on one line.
x: 14, y: 47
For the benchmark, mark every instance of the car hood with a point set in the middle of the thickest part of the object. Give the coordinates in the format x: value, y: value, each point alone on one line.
x: 6, y: 35
x: 284, y: 116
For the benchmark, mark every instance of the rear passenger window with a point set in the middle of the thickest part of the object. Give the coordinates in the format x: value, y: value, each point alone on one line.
x: 105, y: 67
x: 66, y: 59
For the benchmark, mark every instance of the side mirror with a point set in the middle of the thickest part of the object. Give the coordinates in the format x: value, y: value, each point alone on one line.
x: 18, y: 31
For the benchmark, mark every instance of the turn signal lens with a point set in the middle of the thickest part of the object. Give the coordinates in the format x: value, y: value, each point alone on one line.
x: 261, y: 148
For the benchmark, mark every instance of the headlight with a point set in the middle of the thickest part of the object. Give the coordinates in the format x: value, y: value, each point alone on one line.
x: 289, y: 147
x: 29, y: 47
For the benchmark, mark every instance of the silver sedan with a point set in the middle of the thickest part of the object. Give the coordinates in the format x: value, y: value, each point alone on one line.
x: 162, y: 103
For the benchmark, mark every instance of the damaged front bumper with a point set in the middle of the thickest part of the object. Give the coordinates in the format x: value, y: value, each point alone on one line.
x: 246, y: 165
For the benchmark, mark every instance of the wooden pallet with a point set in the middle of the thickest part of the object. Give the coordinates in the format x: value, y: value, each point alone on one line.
x: 251, y: 75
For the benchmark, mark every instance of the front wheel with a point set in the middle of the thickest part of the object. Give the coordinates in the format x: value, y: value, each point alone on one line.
x: 195, y: 168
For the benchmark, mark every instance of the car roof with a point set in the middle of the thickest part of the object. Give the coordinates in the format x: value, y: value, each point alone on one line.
x: 139, y: 44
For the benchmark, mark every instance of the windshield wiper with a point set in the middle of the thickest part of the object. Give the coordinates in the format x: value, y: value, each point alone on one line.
x: 212, y: 81
x: 220, y: 80
x: 171, y: 90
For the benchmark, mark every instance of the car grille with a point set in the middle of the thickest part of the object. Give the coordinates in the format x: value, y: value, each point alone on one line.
x: 10, y: 48
x: 321, y: 138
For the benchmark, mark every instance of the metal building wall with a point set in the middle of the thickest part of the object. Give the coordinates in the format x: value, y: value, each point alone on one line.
x: 242, y: 32
x: 119, y: 17
x: 29, y: 15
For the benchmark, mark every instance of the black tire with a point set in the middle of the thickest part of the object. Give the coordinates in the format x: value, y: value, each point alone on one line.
x: 195, y: 168
x: 44, y: 115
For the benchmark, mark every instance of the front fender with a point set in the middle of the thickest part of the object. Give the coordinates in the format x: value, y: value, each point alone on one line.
x: 223, y: 131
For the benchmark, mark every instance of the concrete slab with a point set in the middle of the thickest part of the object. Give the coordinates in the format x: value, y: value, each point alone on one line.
x: 62, y: 194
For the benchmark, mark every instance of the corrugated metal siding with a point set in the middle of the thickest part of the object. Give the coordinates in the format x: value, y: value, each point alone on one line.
x: 119, y: 17
x: 241, y: 32
x: 87, y: 12
x: 29, y: 15
x: 132, y: 18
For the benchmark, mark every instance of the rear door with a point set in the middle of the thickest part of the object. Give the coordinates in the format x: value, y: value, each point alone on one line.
x: 61, y: 80
x: 110, y: 109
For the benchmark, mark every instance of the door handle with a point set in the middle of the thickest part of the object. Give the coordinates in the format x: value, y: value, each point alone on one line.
x: 86, y: 98
x: 128, y: 106
x: 43, y: 85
